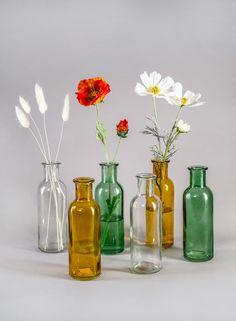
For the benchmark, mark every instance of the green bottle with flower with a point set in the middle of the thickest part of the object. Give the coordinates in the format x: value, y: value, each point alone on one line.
x: 108, y: 193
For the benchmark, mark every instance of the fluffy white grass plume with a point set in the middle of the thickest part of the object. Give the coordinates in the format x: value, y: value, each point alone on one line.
x: 22, y: 118
x: 25, y: 105
x: 43, y: 107
x: 66, y: 109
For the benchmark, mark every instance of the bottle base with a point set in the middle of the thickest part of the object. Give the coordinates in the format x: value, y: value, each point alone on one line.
x: 112, y: 252
x: 52, y: 250
x: 166, y: 245
x: 145, y: 268
x: 84, y: 278
x: 197, y: 256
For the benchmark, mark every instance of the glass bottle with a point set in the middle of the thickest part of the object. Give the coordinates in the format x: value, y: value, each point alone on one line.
x: 109, y: 195
x: 164, y: 189
x: 52, y: 217
x: 145, y: 245
x: 198, y: 217
x: 84, y: 232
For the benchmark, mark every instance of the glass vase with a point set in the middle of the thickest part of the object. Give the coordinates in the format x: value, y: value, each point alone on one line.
x: 109, y: 195
x: 198, y: 217
x: 52, y: 218
x: 145, y: 243
x: 164, y: 189
x: 84, y: 232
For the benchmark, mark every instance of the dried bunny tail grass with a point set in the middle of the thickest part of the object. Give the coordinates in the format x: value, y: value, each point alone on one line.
x: 25, y: 105
x: 43, y: 107
x: 66, y: 109
x: 22, y: 118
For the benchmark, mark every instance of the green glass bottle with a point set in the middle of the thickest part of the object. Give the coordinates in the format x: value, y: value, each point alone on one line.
x: 198, y: 217
x: 109, y: 195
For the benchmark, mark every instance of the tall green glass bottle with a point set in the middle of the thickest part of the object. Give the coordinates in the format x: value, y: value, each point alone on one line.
x: 109, y: 195
x: 198, y: 217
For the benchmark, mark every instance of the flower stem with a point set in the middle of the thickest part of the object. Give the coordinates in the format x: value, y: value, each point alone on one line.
x: 170, y: 140
x: 155, y: 112
x: 117, y: 149
x: 46, y: 136
x: 39, y: 146
x: 105, y: 141
x: 59, y: 144
x: 39, y: 133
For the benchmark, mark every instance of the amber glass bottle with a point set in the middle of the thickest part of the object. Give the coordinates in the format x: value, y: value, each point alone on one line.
x: 84, y: 232
x: 164, y: 188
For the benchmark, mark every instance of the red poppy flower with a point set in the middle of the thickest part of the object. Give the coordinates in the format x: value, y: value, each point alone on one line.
x: 92, y: 91
x: 122, y: 128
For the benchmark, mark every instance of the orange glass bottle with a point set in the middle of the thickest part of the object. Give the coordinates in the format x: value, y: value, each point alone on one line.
x: 164, y: 188
x: 84, y: 232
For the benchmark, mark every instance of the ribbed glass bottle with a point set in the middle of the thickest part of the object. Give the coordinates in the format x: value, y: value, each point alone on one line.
x: 109, y: 195
x: 164, y: 189
x: 84, y: 232
x: 198, y: 217
x: 52, y: 216
x: 145, y: 212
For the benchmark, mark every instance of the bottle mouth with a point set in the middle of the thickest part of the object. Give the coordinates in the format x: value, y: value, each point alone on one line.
x: 51, y: 164
x: 198, y: 167
x: 160, y: 162
x: 146, y: 176
x: 83, y: 180
x: 108, y: 164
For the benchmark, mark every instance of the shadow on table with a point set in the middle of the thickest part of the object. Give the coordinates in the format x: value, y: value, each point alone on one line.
x: 34, y: 267
x: 174, y: 252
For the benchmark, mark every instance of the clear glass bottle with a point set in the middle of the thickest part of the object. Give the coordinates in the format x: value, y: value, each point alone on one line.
x: 198, y: 217
x: 109, y: 195
x: 164, y: 189
x: 145, y: 211
x: 84, y: 232
x: 52, y: 216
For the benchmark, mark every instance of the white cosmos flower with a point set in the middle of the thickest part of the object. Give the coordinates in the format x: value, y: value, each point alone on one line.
x: 183, y: 127
x: 153, y: 85
x: 176, y: 97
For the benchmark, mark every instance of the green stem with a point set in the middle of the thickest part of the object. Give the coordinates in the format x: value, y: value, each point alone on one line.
x: 155, y: 112
x: 117, y: 149
x: 105, y: 141
x: 170, y: 141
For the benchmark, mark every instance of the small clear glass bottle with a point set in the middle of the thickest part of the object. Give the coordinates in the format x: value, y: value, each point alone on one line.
x: 84, y: 232
x: 145, y: 243
x: 52, y: 216
x: 109, y: 195
x: 198, y: 235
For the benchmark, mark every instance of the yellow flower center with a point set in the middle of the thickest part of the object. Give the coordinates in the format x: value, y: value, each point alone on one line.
x: 154, y: 90
x: 184, y: 101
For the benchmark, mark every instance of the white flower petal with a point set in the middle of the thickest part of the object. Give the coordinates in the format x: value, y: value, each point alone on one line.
x: 165, y: 84
x: 22, y: 118
x: 66, y: 109
x: 146, y: 80
x: 178, y: 90
x: 197, y: 104
x: 140, y: 90
x: 189, y: 95
x: 155, y: 78
x: 173, y: 100
x: 25, y: 105
x: 40, y: 99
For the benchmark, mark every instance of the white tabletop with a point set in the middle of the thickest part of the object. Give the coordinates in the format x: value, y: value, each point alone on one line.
x: 36, y: 286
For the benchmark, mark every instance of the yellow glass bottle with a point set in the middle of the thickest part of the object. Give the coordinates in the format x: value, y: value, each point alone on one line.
x: 164, y: 188
x: 84, y: 232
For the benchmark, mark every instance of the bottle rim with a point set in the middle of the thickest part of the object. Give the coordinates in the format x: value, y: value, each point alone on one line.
x: 109, y: 164
x: 83, y: 180
x: 198, y: 167
x: 146, y: 176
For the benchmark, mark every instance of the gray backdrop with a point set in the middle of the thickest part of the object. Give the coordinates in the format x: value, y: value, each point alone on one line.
x: 57, y: 43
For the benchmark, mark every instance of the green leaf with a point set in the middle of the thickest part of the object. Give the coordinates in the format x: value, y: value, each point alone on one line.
x: 112, y: 204
x: 101, y: 132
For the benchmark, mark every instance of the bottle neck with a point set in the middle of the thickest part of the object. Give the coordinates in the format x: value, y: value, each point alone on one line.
x: 83, y: 191
x: 109, y: 173
x: 197, y: 177
x: 51, y: 171
x: 160, y: 169
x: 146, y: 186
